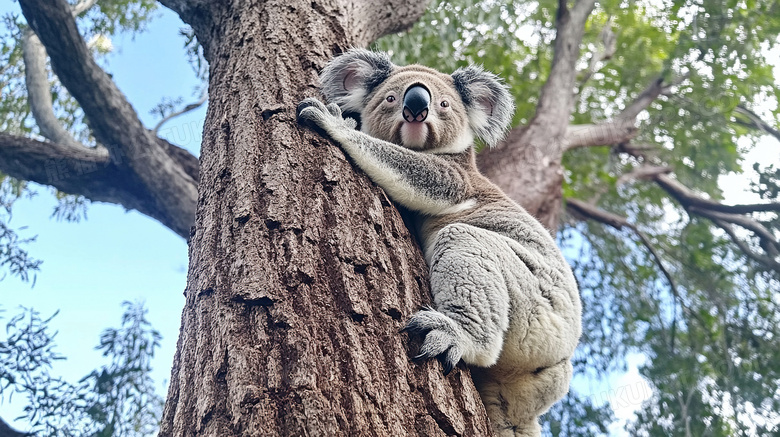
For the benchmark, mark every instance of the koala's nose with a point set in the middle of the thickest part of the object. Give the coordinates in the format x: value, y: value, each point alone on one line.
x: 416, y: 100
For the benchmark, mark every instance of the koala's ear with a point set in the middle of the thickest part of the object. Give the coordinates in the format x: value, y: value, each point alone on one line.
x: 488, y: 103
x: 349, y: 78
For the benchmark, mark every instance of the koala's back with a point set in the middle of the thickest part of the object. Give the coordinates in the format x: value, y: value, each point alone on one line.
x: 541, y: 286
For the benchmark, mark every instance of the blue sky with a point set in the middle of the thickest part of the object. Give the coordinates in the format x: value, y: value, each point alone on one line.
x: 90, y: 268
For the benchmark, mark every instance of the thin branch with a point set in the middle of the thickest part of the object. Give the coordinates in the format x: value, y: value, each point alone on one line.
x: 186, y: 109
x: 620, y: 129
x: 765, y: 260
x: 609, y: 46
x: 688, y: 198
x: 757, y: 122
x: 698, y: 205
x: 36, y: 77
x: 588, y: 211
x: 760, y: 230
x: 643, y: 172
x: 643, y: 100
x: 639, y: 151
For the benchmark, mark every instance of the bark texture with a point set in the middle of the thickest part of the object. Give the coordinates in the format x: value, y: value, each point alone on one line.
x: 301, y: 272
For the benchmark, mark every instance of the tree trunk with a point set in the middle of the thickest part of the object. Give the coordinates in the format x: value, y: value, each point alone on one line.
x: 301, y: 271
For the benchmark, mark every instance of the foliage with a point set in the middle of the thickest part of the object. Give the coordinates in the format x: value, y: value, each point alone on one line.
x: 712, y: 346
x: 14, y: 259
x: 117, y: 399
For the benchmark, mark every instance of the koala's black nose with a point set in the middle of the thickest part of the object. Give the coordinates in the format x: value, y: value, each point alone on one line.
x: 416, y: 100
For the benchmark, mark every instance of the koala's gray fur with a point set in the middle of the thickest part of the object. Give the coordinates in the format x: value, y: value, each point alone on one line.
x: 506, y: 301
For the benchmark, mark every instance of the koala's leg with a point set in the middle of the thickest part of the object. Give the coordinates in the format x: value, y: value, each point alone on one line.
x: 470, y: 295
x: 514, y: 401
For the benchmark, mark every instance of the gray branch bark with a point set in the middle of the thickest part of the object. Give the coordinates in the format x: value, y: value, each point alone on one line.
x: 621, y: 129
x: 36, y: 79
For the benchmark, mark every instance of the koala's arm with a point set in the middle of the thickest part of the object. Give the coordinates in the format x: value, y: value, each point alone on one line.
x: 419, y: 181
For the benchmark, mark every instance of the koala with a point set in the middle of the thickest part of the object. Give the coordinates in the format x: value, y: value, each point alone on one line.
x: 505, y: 299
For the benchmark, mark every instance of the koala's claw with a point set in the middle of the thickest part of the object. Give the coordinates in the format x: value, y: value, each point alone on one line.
x: 441, y: 340
x: 314, y: 112
x: 334, y: 110
x: 448, y: 362
x: 311, y: 109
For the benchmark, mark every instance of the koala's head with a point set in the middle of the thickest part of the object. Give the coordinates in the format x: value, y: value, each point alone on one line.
x: 415, y: 106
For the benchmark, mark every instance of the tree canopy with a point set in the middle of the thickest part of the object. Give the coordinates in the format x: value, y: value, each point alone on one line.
x: 669, y: 97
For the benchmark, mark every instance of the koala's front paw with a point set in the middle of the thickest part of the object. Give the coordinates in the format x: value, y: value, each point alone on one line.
x: 441, y: 339
x: 327, y: 118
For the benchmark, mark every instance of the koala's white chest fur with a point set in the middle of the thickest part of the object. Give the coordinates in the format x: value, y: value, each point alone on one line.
x: 505, y: 300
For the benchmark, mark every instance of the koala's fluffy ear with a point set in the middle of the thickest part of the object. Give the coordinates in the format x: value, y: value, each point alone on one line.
x: 487, y: 101
x: 349, y: 78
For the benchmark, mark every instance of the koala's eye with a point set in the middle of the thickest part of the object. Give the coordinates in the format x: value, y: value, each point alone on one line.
x: 445, y: 104
x: 390, y: 99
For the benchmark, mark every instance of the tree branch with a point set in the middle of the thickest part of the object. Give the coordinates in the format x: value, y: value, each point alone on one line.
x: 622, y: 128
x: 112, y: 119
x: 643, y: 172
x: 768, y: 239
x: 757, y: 122
x: 643, y: 100
x: 557, y: 94
x: 689, y: 199
x: 588, y: 211
x: 602, y: 134
x: 186, y: 109
x: 717, y: 212
x: 36, y: 79
x: 609, y: 42
x: 765, y: 260
x: 88, y: 172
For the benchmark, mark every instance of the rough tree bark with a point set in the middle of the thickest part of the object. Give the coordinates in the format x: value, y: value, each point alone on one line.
x: 301, y: 271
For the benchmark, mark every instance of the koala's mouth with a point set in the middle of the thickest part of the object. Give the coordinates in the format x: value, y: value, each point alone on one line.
x: 414, y: 135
